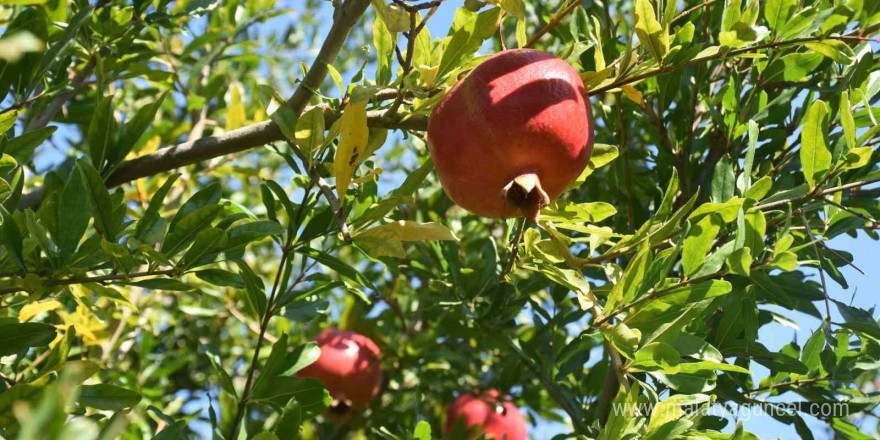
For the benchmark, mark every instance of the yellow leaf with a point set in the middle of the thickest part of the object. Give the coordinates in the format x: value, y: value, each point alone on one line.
x: 30, y: 310
x: 352, y: 143
x: 428, y: 74
x: 632, y: 93
x: 387, y: 240
x: 235, y: 114
x: 369, y: 176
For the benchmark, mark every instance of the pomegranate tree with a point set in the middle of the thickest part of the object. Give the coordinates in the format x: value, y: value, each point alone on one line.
x: 512, y: 135
x: 487, y: 414
x: 349, y: 368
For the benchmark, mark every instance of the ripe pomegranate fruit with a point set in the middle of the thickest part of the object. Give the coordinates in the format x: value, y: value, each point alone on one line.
x: 486, y: 414
x: 349, y: 368
x: 512, y: 135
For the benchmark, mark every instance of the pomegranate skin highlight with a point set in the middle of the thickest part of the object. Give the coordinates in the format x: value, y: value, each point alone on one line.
x: 512, y: 135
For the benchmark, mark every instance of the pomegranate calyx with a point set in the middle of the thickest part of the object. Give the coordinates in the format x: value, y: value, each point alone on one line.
x: 524, y: 196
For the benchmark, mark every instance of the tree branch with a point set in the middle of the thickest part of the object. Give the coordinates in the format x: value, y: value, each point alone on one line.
x: 52, y: 109
x: 92, y: 279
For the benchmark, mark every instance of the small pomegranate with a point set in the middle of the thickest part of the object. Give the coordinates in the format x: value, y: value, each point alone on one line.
x: 512, y: 135
x: 349, y: 368
x: 486, y: 414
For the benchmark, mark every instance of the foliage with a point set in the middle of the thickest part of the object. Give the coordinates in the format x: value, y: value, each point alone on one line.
x: 736, y: 138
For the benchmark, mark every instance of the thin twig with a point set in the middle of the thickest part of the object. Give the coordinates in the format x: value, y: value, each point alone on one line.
x: 721, y: 54
x: 787, y: 384
x: 250, y: 324
x: 553, y: 22
x: 809, y: 230
x: 92, y: 279
x: 820, y: 194
x: 624, y: 152
x: 853, y: 212
x: 514, y: 248
x: 849, y: 262
x: 335, y: 206
x: 407, y: 62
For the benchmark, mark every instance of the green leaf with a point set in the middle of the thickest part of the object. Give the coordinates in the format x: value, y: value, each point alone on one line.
x: 759, y: 189
x: 626, y: 289
x: 657, y: 356
x: 207, y: 241
x: 858, y: 157
x: 651, y: 34
x: 793, y: 66
x: 728, y: 210
x: 847, y: 122
x: 255, y: 290
x: 72, y: 219
x: 21, y: 148
x: 185, y: 232
x: 215, y: 359
x: 833, y: 49
x: 274, y: 364
x: 101, y: 130
x: 310, y: 131
x: 15, y: 337
x: 384, y: 43
x: 290, y: 420
x: 564, y: 211
x: 810, y: 355
x: 740, y: 261
x: 731, y: 14
x: 107, y: 397
x: 12, y: 238
x: 858, y: 320
x: 692, y: 346
x: 102, y: 207
x: 220, y: 277
x: 281, y: 114
x: 674, y: 299
x: 422, y: 431
x: 59, y: 49
x: 673, y: 408
x: 207, y: 196
x: 151, y: 218
x: 815, y: 155
x: 338, y: 266
x: 309, y: 393
x: 798, y: 24
x: 698, y: 242
x: 723, y: 181
x: 623, y: 338
x: 120, y: 255
x: 777, y: 12
x: 134, y: 129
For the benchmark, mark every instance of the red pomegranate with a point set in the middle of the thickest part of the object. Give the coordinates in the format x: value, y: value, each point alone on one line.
x: 486, y: 414
x: 512, y: 135
x: 349, y: 367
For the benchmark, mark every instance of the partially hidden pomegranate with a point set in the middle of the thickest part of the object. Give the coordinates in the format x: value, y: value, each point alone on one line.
x: 512, y: 135
x: 487, y: 414
x: 349, y: 368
